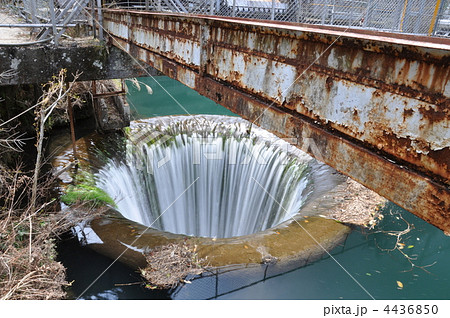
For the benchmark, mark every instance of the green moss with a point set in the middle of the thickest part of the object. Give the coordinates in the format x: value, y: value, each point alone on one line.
x: 86, y: 193
x: 127, y: 131
x: 85, y: 190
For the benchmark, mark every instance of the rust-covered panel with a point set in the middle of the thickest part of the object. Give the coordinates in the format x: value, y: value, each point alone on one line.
x: 364, y: 100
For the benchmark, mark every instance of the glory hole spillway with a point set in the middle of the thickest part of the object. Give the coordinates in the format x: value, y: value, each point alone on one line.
x: 217, y: 181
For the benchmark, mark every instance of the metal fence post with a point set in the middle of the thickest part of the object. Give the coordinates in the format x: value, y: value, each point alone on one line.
x: 33, y: 13
x: 333, y: 6
x: 53, y: 21
x: 94, y: 30
x: 100, y: 20
x: 367, y: 15
x: 272, y: 11
x: 147, y: 5
x: 298, y: 14
x: 324, y: 11
x: 211, y: 7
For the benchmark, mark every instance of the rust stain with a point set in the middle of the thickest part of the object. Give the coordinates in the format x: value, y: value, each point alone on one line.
x: 413, y: 72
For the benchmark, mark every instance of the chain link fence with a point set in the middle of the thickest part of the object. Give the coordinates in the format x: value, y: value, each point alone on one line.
x: 424, y: 17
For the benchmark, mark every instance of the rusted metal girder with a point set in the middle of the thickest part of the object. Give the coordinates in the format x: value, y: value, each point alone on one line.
x: 375, y: 106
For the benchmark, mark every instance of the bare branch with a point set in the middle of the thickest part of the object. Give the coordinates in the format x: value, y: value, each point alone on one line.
x: 7, y: 75
x: 399, y: 245
x: 14, y: 142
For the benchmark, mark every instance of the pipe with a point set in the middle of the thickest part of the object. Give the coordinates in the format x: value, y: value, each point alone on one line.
x: 35, y: 25
x: 26, y: 43
x: 403, y: 15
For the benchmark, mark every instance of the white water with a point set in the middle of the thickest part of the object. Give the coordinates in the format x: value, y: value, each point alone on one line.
x: 205, y: 184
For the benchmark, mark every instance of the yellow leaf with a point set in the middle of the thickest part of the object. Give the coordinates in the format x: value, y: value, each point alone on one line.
x: 410, y: 246
x: 306, y: 221
x: 148, y: 286
x: 400, y: 284
x: 245, y: 246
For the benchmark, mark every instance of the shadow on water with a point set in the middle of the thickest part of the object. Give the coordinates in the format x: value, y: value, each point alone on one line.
x: 363, y: 256
x: 84, y: 266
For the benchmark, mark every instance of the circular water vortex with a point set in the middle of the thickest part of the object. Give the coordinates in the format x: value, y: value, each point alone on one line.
x: 207, y: 176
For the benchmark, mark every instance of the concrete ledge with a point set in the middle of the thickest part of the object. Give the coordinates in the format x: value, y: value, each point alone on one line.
x: 34, y: 65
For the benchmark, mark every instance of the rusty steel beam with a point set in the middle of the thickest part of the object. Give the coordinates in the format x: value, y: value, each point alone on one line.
x: 375, y: 107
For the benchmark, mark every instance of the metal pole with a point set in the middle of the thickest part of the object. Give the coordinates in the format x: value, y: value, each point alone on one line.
x: 72, y: 126
x: 95, y: 104
x: 333, y: 8
x: 74, y: 13
x: 159, y: 6
x: 94, y: 30
x: 100, y: 20
x: 324, y: 11
x: 53, y: 21
x: 367, y: 14
x: 403, y: 15
x: 33, y: 12
x: 211, y: 7
x: 298, y: 15
x: 37, y: 25
x: 147, y: 5
x: 433, y: 19
x: 272, y: 11
x: 233, y: 14
x: 64, y: 10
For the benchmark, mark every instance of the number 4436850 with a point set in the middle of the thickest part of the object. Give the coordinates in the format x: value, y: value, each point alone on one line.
x: 411, y: 309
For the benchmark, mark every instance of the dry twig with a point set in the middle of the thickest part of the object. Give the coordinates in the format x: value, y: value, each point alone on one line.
x: 399, y: 245
x: 170, y: 264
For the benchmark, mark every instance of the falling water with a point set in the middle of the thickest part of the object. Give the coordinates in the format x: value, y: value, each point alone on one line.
x: 210, y: 176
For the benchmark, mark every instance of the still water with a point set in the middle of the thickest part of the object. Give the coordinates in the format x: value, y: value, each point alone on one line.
x: 371, y: 257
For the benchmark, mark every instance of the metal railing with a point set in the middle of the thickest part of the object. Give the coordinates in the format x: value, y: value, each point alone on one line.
x: 48, y: 19
x: 421, y: 17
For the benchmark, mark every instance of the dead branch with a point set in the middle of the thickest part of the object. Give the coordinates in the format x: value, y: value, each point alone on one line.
x: 169, y: 265
x: 8, y: 74
x: 399, y: 245
x: 28, y: 269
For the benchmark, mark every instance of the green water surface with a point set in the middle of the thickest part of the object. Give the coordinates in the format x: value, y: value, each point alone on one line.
x: 367, y: 265
x: 169, y: 97
x: 370, y: 257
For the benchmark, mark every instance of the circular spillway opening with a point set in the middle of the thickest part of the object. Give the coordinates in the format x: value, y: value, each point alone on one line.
x: 238, y: 193
x: 206, y: 176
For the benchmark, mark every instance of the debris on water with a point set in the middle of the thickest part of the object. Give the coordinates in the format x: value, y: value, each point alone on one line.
x: 360, y: 206
x: 170, y: 264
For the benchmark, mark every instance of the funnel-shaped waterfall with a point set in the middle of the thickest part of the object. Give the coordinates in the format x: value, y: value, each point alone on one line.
x: 208, y: 176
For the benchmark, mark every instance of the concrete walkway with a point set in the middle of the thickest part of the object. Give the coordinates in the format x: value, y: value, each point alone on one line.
x: 12, y: 35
